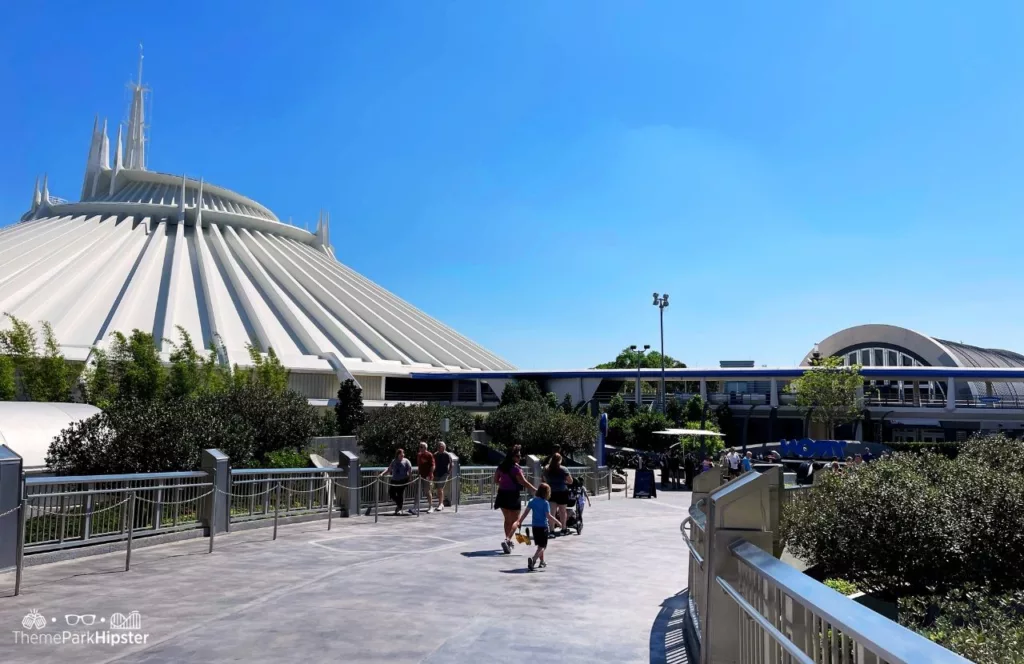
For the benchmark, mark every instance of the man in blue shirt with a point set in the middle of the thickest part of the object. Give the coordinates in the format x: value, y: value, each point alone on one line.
x: 747, y: 463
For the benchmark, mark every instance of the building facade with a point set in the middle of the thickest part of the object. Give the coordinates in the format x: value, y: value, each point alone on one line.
x: 141, y: 249
x: 916, y: 388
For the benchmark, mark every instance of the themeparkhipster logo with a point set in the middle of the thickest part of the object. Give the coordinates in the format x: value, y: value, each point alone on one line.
x: 118, y: 629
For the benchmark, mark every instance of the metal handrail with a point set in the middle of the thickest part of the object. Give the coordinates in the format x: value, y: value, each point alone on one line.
x: 130, y: 477
x: 286, y: 471
x: 763, y: 622
x: 689, y: 543
x: 888, y: 639
x: 697, y: 516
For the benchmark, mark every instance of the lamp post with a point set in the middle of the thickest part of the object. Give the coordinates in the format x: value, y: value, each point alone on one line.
x: 661, y: 302
x: 639, y: 364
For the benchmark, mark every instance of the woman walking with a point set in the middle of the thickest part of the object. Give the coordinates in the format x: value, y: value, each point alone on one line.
x: 509, y: 478
x: 400, y: 469
x: 559, y: 479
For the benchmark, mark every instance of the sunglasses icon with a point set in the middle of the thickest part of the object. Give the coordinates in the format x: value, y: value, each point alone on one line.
x: 86, y: 620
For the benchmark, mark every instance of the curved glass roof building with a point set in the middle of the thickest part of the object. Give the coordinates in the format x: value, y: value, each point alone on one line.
x: 155, y: 251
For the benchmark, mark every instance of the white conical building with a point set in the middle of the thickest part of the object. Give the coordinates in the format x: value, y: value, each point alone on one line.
x: 155, y: 251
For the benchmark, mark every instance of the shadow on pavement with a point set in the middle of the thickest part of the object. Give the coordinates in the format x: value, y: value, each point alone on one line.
x: 484, y: 554
x: 668, y: 643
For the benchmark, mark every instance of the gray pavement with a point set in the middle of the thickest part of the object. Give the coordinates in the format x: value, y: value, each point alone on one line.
x: 429, y: 589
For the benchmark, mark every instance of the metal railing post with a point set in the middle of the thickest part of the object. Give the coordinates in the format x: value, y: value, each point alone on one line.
x: 610, y: 483
x: 213, y: 499
x: 20, y: 555
x: 277, y: 505
x: 376, y: 499
x: 456, y: 482
x: 330, y: 500
x: 131, y: 531
x: 419, y: 488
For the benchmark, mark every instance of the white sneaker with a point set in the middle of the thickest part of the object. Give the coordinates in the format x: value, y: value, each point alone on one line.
x: 440, y: 507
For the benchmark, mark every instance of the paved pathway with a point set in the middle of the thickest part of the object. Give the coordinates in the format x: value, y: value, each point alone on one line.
x: 427, y: 589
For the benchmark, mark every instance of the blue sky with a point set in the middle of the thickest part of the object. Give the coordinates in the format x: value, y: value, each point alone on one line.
x: 530, y: 172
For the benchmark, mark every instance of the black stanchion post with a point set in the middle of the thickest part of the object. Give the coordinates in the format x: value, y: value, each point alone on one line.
x: 20, y: 555
x: 213, y: 510
x: 277, y: 506
x: 330, y: 501
x: 131, y: 531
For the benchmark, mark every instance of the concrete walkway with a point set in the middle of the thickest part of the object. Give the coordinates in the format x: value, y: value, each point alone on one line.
x: 429, y: 589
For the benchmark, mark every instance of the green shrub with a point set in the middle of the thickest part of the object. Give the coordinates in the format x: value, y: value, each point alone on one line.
x: 841, y: 586
x: 539, y: 428
x: 919, y: 523
x: 287, y: 459
x: 391, y: 427
x: 973, y: 621
x: 247, y: 423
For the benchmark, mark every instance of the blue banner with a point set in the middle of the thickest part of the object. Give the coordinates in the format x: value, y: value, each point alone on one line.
x: 602, y: 433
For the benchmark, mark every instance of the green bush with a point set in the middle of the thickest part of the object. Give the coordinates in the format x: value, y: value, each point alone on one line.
x: 919, y: 523
x: 841, y: 586
x: 247, y: 423
x: 973, y: 621
x: 391, y: 427
x: 539, y: 428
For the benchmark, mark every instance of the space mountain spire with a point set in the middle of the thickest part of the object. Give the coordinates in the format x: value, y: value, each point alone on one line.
x: 136, y: 148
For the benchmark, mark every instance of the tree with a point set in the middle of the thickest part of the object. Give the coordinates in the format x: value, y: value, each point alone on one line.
x: 7, y: 386
x: 830, y: 390
x: 627, y: 359
x: 349, y: 411
x: 135, y: 367
x: 20, y: 344
x: 54, y: 375
x: 391, y: 427
x: 567, y: 405
x: 266, y: 371
x: 540, y: 428
x: 619, y: 409
x: 186, y: 373
x: 674, y: 410
x: 641, y: 428
x: 694, y: 410
x: 521, y: 390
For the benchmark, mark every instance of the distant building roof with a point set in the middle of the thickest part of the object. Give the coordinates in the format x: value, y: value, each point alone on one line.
x: 28, y: 427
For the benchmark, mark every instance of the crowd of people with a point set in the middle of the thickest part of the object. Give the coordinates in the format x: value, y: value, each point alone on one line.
x: 548, y: 503
x: 434, y: 471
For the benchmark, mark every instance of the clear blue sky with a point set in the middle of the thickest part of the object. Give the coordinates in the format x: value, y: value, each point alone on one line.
x: 529, y: 172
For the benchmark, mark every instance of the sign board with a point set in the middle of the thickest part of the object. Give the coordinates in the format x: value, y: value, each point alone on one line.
x: 806, y: 448
x: 445, y: 423
x: 643, y: 484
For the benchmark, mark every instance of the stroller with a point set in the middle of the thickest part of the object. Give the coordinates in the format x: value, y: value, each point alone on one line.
x: 574, y: 512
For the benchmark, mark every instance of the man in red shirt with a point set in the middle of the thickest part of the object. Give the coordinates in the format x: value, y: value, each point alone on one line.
x: 425, y: 464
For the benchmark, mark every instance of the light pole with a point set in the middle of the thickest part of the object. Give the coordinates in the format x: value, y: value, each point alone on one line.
x: 639, y: 364
x: 661, y: 302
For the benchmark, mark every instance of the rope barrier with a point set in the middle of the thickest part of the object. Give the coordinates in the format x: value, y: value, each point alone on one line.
x: 10, y: 511
x: 176, y: 502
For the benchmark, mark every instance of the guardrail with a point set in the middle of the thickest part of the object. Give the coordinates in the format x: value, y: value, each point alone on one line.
x: 64, y: 512
x: 266, y: 493
x: 745, y: 605
x: 55, y: 513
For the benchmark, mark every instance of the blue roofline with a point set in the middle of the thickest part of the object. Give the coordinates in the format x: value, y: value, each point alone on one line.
x: 926, y: 373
